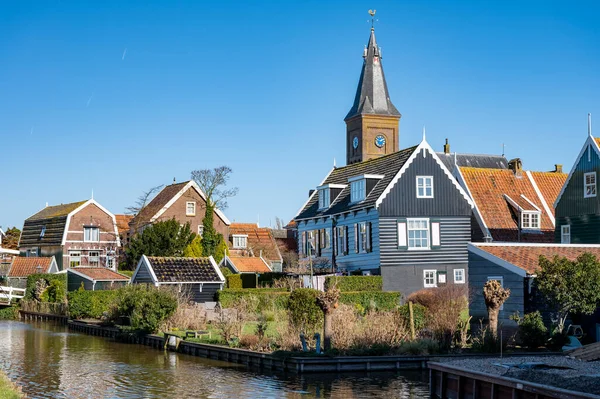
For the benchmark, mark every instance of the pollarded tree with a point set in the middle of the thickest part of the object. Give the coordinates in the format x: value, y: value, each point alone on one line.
x: 570, y: 286
x: 328, y: 302
x: 164, y: 238
x: 11, y: 241
x: 495, y: 295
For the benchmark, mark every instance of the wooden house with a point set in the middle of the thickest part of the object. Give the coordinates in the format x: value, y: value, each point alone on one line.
x: 94, y: 278
x: 249, y: 240
x: 246, y: 264
x: 200, y: 278
x: 578, y: 204
x: 514, y: 265
x: 184, y: 202
x: 23, y: 267
x: 78, y: 234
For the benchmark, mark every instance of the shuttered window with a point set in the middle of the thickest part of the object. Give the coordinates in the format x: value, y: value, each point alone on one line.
x: 356, y: 249
x: 419, y: 234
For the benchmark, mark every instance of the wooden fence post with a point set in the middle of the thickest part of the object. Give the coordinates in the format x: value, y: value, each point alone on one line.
x: 412, y: 320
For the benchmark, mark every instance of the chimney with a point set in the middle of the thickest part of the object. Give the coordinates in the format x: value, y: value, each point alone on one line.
x: 558, y: 168
x: 516, y: 166
x: 446, y: 148
x: 310, y: 192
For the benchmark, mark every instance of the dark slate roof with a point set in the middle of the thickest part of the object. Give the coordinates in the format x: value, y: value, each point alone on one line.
x: 473, y: 160
x: 54, y: 218
x: 183, y: 270
x: 372, y: 95
x: 157, y: 203
x: 388, y: 166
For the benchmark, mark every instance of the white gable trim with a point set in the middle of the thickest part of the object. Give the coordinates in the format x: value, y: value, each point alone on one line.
x: 542, y: 199
x: 53, y: 266
x: 8, y: 251
x: 473, y: 248
x: 216, y: 267
x: 476, y: 212
x: 190, y: 184
x: 103, y: 209
x: 144, y: 259
x: 314, y: 193
x: 589, y: 142
x: 423, y: 146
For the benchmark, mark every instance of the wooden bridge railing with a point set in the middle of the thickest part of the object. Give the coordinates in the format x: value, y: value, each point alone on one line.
x: 7, y: 294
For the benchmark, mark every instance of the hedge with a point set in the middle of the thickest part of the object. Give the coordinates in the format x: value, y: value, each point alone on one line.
x: 234, y: 281
x: 90, y: 304
x: 355, y: 283
x: 267, y: 297
x: 372, y: 300
x: 61, y: 282
x: 266, y: 279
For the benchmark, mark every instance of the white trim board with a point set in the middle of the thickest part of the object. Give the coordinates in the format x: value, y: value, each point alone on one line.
x: 496, y: 260
x: 589, y: 142
x: 315, y: 192
x: 103, y: 209
x: 541, y: 197
x: 484, y: 228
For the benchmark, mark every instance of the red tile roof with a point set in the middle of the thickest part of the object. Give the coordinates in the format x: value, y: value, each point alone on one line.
x: 489, y: 187
x: 249, y: 264
x: 123, y: 223
x: 259, y: 239
x: 158, y: 203
x: 527, y: 257
x: 23, y: 267
x: 550, y: 184
x: 99, y: 273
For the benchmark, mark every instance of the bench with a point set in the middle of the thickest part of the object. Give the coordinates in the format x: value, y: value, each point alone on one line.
x: 196, y: 334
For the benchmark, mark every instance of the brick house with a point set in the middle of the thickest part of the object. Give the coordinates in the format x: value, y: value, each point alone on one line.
x: 81, y: 233
x: 249, y: 240
x: 184, y: 202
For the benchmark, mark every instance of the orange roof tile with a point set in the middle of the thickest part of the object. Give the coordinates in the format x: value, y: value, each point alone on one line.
x: 23, y: 267
x: 597, y: 140
x: 100, y: 273
x: 527, y: 257
x: 249, y: 264
x: 260, y: 240
x: 550, y: 184
x: 123, y: 222
x: 488, y: 188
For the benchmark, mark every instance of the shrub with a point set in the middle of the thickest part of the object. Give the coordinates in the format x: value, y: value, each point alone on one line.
x: 90, y: 304
x: 532, y: 331
x: 234, y: 281
x: 248, y: 280
x: 55, y: 292
x: 267, y: 279
x: 372, y: 300
x: 267, y: 298
x: 355, y: 283
x: 304, y: 312
x: 9, y: 313
x: 419, y: 314
x: 59, y: 289
x: 146, y: 307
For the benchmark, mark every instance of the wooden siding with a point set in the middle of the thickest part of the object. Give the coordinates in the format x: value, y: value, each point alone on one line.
x: 143, y: 275
x: 74, y: 282
x: 479, y: 271
x: 206, y: 295
x: 402, y: 199
x: 367, y: 261
x: 581, y: 213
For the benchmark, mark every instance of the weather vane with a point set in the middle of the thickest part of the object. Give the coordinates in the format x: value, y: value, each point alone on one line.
x: 372, y: 14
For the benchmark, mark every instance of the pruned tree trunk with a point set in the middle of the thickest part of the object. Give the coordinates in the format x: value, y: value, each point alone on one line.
x: 328, y: 302
x: 495, y: 295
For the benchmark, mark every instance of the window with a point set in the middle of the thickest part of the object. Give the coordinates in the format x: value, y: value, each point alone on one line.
x: 459, y: 276
x: 240, y: 241
x: 500, y: 279
x: 530, y: 220
x: 43, y: 231
x: 311, y: 242
x: 94, y: 258
x: 32, y: 252
x: 327, y: 238
x: 190, y: 208
x: 357, y: 190
x: 342, y: 243
x: 200, y: 230
x: 589, y: 183
x: 565, y: 234
x: 74, y: 258
x: 429, y: 278
x: 362, y: 234
x: 324, y: 198
x: 110, y: 262
x: 424, y: 186
x: 418, y: 233
x: 91, y: 234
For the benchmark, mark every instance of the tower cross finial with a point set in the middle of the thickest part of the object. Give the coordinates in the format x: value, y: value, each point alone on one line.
x: 590, y: 124
x: 372, y: 14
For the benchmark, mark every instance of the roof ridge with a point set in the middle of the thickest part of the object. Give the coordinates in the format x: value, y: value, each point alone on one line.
x: 377, y: 159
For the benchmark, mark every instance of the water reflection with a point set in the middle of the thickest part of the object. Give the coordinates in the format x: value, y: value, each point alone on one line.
x: 50, y: 362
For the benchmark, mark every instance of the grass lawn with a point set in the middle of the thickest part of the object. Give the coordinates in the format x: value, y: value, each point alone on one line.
x: 215, y: 337
x: 8, y: 390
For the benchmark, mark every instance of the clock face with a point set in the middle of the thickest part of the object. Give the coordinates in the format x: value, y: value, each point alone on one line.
x: 355, y: 142
x: 380, y: 141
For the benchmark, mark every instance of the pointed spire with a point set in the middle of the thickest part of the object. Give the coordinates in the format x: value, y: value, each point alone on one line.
x: 92, y: 193
x: 372, y: 95
x: 590, y: 124
x: 334, y: 162
x: 424, y: 139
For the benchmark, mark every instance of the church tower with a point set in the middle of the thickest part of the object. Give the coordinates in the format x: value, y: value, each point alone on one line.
x: 373, y: 123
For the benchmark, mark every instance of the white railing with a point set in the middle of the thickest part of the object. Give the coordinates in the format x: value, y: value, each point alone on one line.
x: 7, y: 294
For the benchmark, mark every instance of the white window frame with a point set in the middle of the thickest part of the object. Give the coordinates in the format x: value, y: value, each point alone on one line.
x: 200, y: 230
x: 341, y: 240
x: 462, y: 274
x: 362, y: 237
x: 527, y: 220
x: 90, y: 237
x: 590, y: 185
x: 565, y: 234
x: 501, y: 280
x: 358, y: 190
x: 324, y: 198
x: 32, y: 253
x: 327, y: 238
x: 408, y: 231
x: 240, y: 241
x: 43, y: 231
x: 434, y: 278
x: 424, y: 183
x: 74, y: 256
x: 187, y: 208
x: 94, y: 258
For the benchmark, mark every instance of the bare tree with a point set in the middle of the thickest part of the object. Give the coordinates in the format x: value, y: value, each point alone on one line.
x: 279, y: 223
x: 213, y: 182
x: 143, y: 200
x: 328, y: 302
x: 495, y: 295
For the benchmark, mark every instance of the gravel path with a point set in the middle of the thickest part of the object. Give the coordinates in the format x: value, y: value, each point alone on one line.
x: 570, y: 373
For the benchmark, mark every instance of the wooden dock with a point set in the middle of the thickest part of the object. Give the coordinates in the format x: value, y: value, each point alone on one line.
x: 37, y: 316
x: 451, y: 382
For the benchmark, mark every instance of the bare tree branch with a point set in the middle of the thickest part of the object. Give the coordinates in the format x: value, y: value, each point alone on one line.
x: 213, y: 182
x: 142, y: 200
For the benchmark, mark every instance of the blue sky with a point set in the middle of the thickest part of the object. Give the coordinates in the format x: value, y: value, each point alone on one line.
x: 117, y: 97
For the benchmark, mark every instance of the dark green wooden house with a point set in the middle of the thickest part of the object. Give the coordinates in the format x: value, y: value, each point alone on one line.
x: 94, y: 278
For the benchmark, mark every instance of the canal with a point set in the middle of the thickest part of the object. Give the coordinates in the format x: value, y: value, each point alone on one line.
x: 48, y: 361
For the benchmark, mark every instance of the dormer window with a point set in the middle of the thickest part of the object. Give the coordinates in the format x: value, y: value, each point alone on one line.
x: 589, y: 183
x: 240, y: 241
x: 328, y: 193
x: 357, y: 190
x: 324, y: 198
x: 530, y: 220
x: 43, y: 231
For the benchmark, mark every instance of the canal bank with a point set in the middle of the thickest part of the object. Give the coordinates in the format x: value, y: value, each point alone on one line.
x: 8, y: 390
